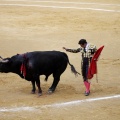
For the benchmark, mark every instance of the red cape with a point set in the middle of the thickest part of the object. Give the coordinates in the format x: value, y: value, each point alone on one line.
x: 93, y: 65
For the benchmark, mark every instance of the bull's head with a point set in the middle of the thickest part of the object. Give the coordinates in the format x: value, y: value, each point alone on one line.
x: 4, y: 64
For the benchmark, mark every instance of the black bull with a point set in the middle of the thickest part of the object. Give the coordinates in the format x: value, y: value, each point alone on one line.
x: 33, y: 64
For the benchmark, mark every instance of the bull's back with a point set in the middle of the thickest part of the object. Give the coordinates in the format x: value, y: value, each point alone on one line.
x: 48, y: 59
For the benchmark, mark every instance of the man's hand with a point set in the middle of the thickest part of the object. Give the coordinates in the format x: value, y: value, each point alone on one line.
x: 64, y: 48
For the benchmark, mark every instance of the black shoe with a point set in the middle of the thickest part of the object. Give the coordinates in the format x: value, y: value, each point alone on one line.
x: 87, y: 93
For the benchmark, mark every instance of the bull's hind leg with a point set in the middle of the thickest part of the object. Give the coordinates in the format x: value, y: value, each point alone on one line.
x: 54, y: 84
x: 56, y: 75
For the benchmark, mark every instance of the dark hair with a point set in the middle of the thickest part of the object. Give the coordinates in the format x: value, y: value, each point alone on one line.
x: 82, y: 41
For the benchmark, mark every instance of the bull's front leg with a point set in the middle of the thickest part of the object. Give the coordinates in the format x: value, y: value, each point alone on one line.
x: 33, y: 87
x: 39, y: 88
x: 38, y: 85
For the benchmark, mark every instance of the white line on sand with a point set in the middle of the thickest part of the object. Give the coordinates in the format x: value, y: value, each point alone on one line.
x: 59, y: 7
x: 55, y: 105
x: 82, y: 3
x: 62, y: 2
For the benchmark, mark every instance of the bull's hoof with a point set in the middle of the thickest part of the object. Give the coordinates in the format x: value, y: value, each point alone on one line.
x: 32, y: 92
x: 50, y: 91
x: 39, y: 94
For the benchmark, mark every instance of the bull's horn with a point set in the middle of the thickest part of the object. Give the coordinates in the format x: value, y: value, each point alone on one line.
x: 4, y: 61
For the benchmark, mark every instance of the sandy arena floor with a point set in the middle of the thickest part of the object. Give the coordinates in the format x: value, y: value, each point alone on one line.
x: 36, y: 25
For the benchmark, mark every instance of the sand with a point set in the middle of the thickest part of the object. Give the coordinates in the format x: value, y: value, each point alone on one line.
x: 29, y: 25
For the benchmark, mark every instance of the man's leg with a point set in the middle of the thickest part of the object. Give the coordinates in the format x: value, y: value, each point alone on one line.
x: 85, y: 66
x: 87, y: 86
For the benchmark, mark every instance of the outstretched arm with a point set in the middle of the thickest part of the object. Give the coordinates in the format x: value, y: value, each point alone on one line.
x: 72, y: 50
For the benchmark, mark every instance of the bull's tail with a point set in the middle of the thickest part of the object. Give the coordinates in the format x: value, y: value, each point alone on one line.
x: 73, y: 70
